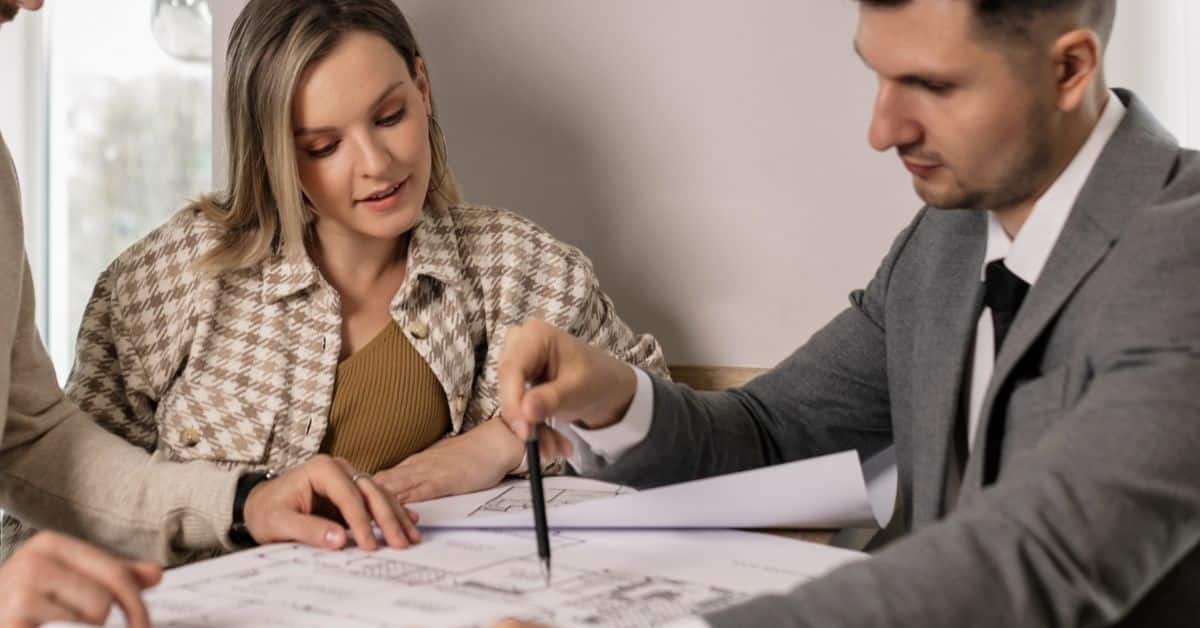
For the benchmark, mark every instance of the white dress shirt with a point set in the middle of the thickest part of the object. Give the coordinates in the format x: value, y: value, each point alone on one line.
x: 1025, y: 256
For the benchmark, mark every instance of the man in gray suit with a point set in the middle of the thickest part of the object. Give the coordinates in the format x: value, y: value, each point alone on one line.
x: 1030, y: 345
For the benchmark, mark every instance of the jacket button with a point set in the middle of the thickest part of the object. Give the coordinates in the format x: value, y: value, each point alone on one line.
x: 418, y: 330
x: 191, y: 437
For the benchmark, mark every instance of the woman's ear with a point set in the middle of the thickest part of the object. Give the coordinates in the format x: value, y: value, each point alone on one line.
x: 422, y: 82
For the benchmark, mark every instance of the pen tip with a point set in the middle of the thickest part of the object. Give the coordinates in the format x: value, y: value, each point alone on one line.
x: 546, y: 572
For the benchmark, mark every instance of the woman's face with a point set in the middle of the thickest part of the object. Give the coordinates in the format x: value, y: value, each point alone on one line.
x: 361, y: 129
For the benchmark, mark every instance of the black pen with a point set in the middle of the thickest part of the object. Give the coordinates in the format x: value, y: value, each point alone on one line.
x: 534, y: 456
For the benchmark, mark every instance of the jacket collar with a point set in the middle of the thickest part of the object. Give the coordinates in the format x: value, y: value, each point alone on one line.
x: 432, y: 253
x: 1133, y: 168
x: 434, y: 249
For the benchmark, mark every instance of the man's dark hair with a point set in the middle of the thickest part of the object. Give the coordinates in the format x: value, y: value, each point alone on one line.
x: 1018, y: 18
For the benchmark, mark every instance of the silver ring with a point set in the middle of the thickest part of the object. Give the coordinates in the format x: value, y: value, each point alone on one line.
x: 358, y: 475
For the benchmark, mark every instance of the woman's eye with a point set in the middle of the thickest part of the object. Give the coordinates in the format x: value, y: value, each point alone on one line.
x: 392, y: 119
x: 324, y: 151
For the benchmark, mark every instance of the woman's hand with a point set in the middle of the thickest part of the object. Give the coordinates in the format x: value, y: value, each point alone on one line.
x: 287, y: 508
x: 473, y: 461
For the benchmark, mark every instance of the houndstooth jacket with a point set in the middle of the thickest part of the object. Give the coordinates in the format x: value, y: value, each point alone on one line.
x: 239, y: 368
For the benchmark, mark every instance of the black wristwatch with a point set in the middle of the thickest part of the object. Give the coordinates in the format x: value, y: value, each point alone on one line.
x: 239, y: 534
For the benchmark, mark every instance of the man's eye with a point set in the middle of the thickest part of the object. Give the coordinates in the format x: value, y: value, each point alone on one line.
x: 935, y: 87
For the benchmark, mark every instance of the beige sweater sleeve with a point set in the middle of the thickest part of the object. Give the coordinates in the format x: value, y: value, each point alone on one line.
x: 60, y: 470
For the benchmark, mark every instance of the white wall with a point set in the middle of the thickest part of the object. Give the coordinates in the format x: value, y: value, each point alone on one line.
x: 1156, y: 52
x: 710, y: 157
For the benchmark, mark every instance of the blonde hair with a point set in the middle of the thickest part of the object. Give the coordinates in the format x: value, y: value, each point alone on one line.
x: 263, y: 212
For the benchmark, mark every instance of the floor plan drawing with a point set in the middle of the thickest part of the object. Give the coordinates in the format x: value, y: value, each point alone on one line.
x: 467, y: 578
x: 517, y: 498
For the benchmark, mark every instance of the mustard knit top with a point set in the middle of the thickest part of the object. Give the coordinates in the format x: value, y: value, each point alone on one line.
x: 387, y: 404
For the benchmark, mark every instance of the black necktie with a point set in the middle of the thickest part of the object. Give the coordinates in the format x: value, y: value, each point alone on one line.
x: 1003, y: 293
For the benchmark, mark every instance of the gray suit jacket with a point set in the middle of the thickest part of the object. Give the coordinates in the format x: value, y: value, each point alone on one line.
x: 1080, y: 505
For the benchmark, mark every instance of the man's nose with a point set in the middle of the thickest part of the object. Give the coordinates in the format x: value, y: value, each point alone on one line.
x: 891, y: 123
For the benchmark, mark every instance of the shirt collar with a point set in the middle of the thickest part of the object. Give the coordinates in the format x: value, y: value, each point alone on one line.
x: 1026, y: 255
x: 433, y: 252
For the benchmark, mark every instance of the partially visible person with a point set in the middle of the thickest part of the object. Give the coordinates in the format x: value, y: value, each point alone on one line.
x: 340, y: 298
x: 60, y: 471
x: 1030, y: 345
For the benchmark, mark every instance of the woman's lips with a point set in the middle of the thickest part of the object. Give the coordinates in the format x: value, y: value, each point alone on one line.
x: 387, y: 202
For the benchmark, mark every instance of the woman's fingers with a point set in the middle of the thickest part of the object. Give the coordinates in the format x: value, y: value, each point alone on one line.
x: 391, y: 517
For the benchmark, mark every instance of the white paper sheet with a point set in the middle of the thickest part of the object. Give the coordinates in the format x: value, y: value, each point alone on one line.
x: 473, y: 578
x: 824, y: 492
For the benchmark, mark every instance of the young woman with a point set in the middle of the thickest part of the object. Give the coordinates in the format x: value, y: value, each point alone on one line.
x: 339, y: 298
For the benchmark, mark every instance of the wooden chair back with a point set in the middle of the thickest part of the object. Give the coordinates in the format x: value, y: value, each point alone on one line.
x: 713, y: 377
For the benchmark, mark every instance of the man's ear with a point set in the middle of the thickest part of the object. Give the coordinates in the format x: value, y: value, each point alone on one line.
x: 1076, y: 56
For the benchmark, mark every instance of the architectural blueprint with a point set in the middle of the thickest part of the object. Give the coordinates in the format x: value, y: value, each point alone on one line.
x: 513, y: 496
x: 823, y: 492
x: 473, y: 578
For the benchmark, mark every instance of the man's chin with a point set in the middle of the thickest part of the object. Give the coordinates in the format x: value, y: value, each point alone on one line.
x: 944, y: 198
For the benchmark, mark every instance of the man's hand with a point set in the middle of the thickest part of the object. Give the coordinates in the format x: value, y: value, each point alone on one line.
x: 567, y: 378
x: 283, y: 509
x: 473, y: 461
x: 53, y: 577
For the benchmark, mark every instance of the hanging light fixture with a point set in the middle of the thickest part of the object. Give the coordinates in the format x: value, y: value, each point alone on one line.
x: 183, y: 28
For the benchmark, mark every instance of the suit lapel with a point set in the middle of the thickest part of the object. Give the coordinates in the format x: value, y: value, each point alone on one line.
x: 945, y: 337
x: 1133, y: 168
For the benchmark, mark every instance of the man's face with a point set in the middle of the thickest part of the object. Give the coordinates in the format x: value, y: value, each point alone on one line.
x: 9, y: 8
x: 973, y: 126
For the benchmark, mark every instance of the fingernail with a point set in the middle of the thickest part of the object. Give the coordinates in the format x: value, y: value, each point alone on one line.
x: 333, y: 537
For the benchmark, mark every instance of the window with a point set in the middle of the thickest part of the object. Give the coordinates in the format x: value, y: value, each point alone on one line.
x: 129, y: 131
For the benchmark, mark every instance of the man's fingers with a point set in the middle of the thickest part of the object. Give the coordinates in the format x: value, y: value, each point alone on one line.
x: 525, y: 359
x: 552, y: 444
x: 540, y: 403
x: 113, y: 574
x: 511, y: 384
